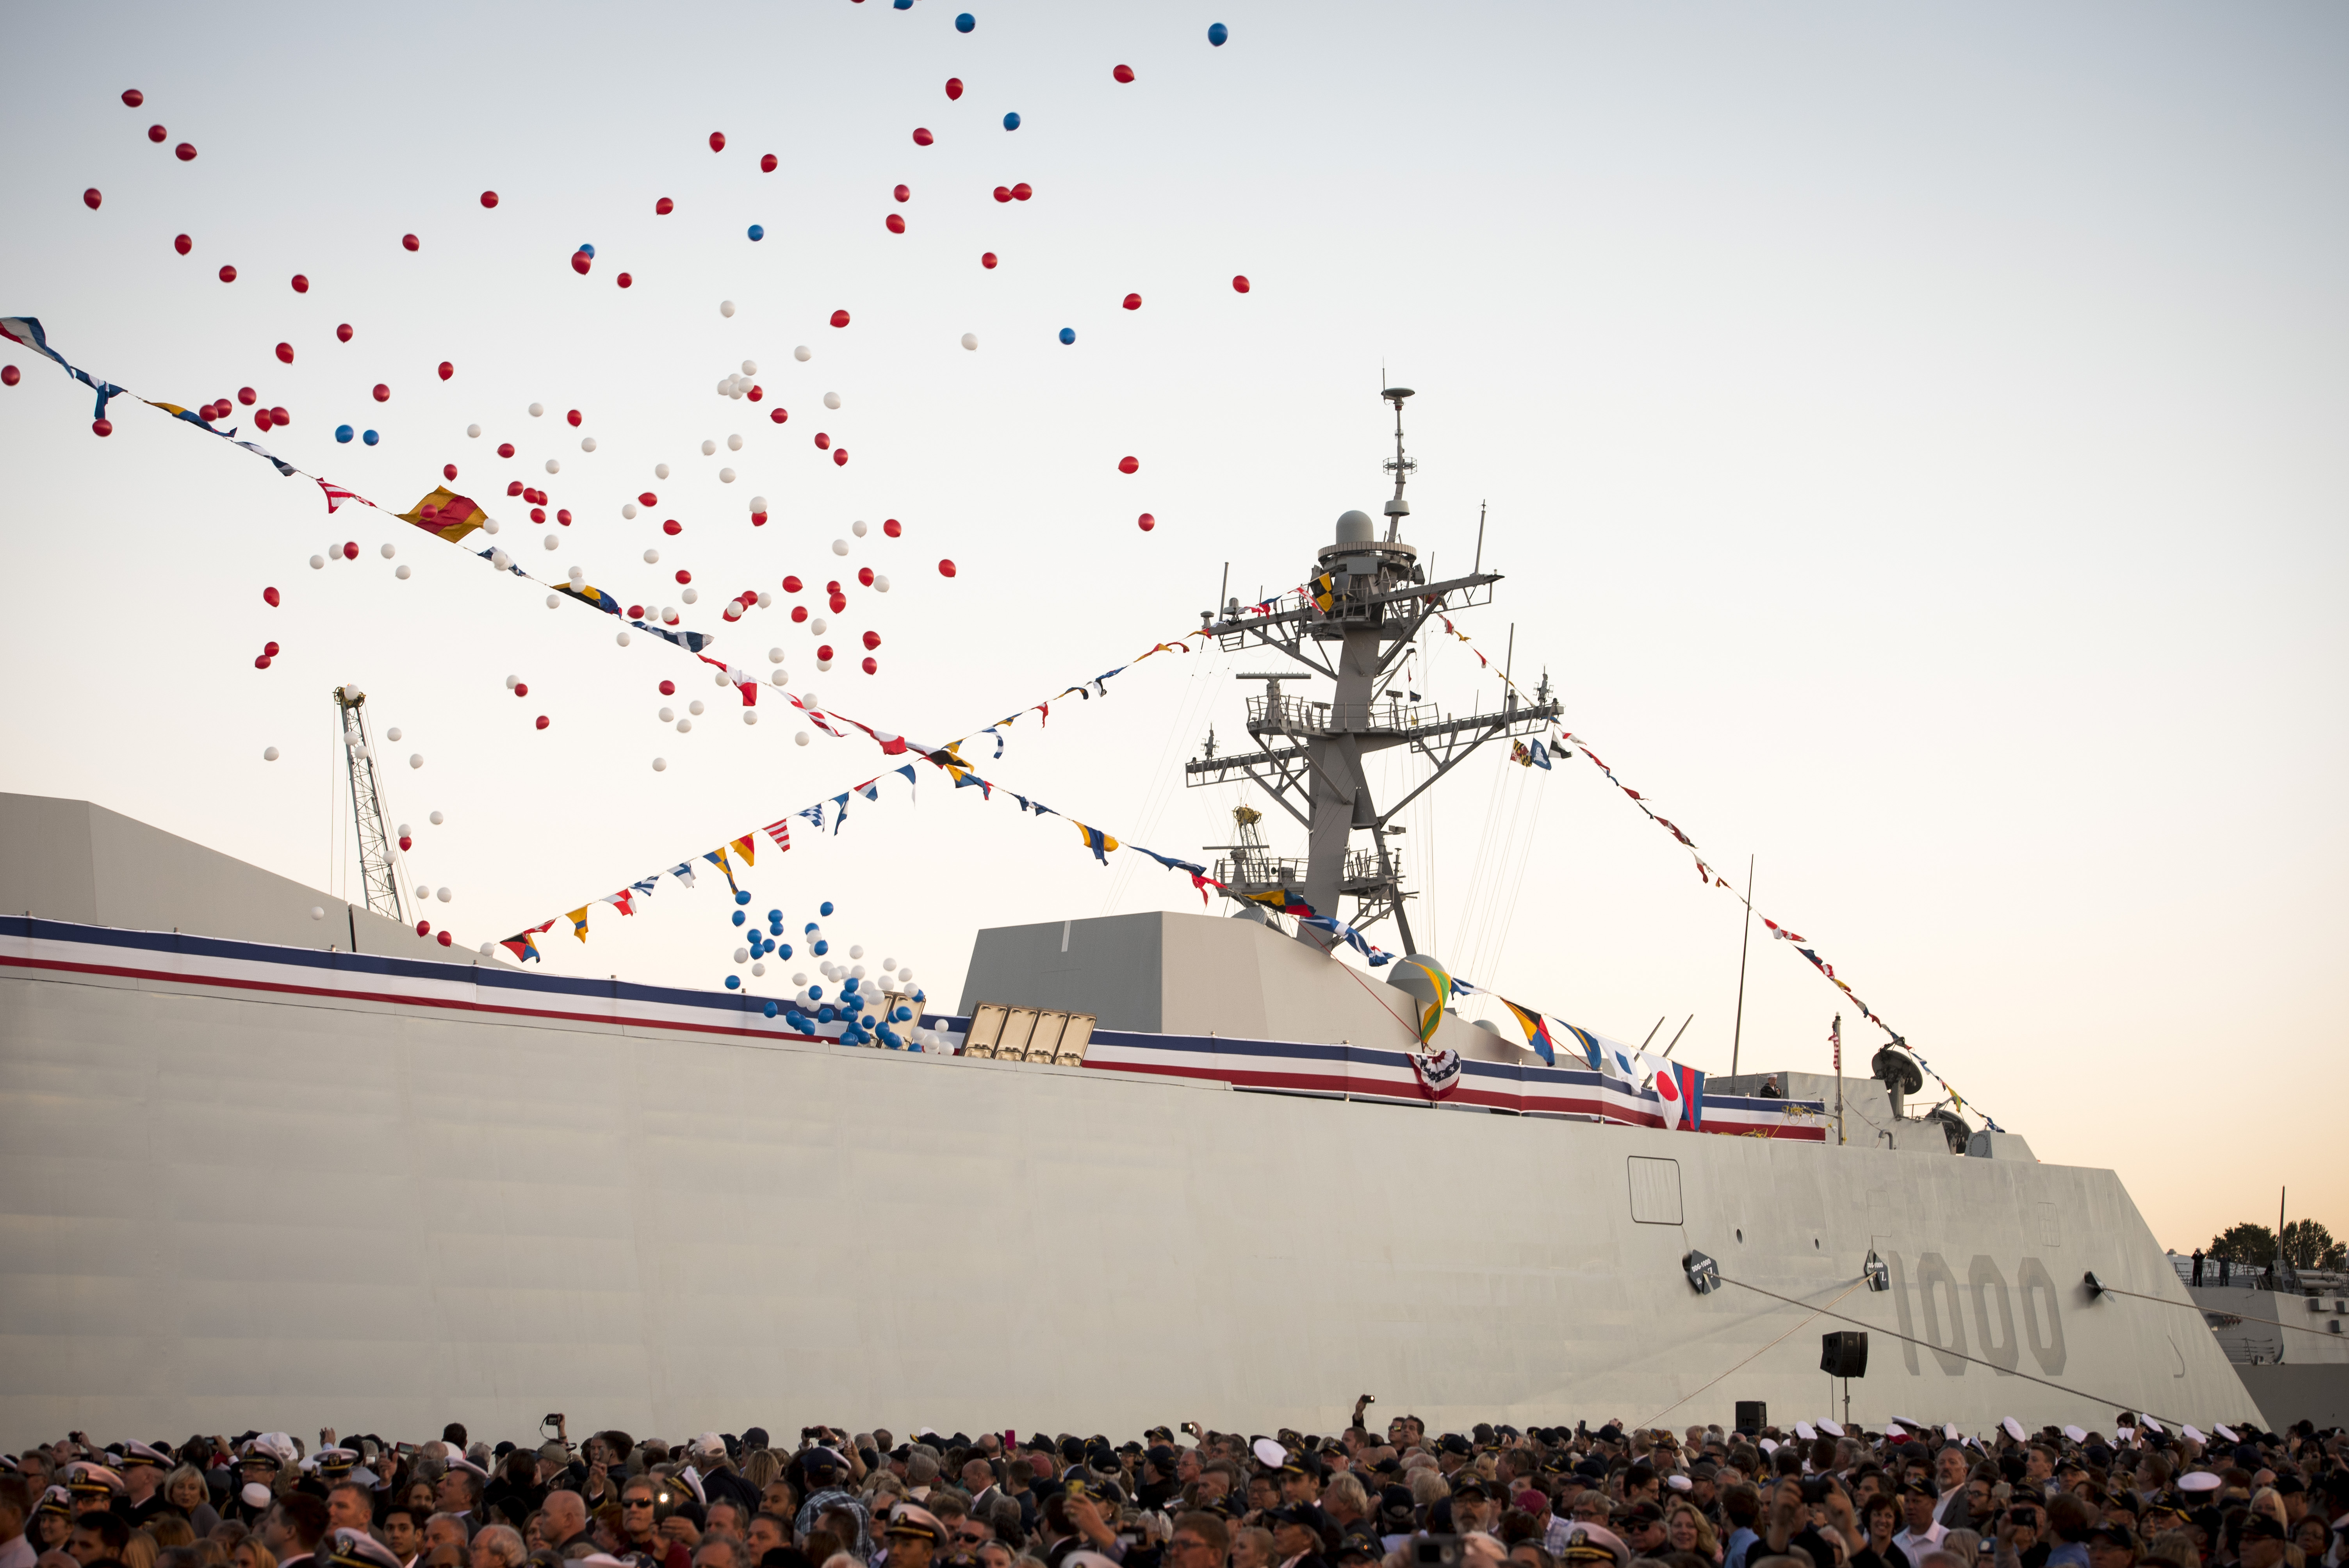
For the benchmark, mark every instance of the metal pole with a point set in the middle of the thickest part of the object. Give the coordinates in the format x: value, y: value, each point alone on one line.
x: 1479, y: 565
x: 1737, y: 1034
x: 1834, y: 1033
x: 1677, y: 1034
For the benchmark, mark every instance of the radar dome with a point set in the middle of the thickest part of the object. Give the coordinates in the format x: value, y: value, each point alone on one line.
x: 1356, y: 528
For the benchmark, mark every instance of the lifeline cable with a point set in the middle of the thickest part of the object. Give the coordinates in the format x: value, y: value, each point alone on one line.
x: 2103, y: 1289
x: 1751, y: 1359
x: 1943, y: 1350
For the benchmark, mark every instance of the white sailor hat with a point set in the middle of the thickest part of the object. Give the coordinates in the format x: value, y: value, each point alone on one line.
x: 142, y: 1454
x: 2077, y: 1434
x: 2227, y: 1432
x: 353, y: 1549
x: 255, y: 1495
x: 2199, y: 1480
x: 336, y: 1461
x: 55, y: 1500
x: 84, y: 1479
x: 2190, y: 1433
x: 1805, y: 1431
x: 1269, y: 1454
x: 2149, y: 1424
x: 2013, y: 1428
x: 692, y: 1483
x: 1769, y: 1445
x: 1831, y: 1428
x: 1950, y: 1434
x: 459, y: 1461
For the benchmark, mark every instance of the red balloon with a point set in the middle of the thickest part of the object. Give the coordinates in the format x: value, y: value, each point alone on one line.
x: 758, y: 519
x: 767, y: 164
x: 945, y: 568
x: 832, y: 588
x: 903, y: 193
x: 823, y: 653
x: 1240, y: 284
x: 156, y: 133
x: 822, y: 441
x: 574, y: 418
x: 344, y: 331
x: 1124, y: 73
x: 668, y: 688
x: 263, y: 419
x: 489, y: 198
x: 1128, y: 465
x: 92, y: 198
x: 625, y: 280
x: 505, y: 449
x: 986, y: 260
x: 922, y: 137
x: 444, y: 939
x: 278, y: 416
x: 408, y: 242
x: 564, y: 517
x: 447, y: 371
x: 1133, y: 301
x: 285, y: 353
x: 897, y: 224
x: 514, y: 488
x: 779, y: 415
x: 269, y: 597
x: 270, y: 648
x: 538, y: 514
x: 954, y: 87
x: 382, y: 393
x: 871, y: 640
x: 228, y: 274
x: 405, y: 842
x: 717, y: 141
x: 1022, y: 191
x: 892, y: 527
x: 799, y: 613
x: 672, y: 528
x: 261, y: 661
x: 840, y: 318
x: 423, y: 928
x: 840, y: 457
x: 448, y: 471
x: 1003, y: 194
x: 683, y: 575
x: 756, y: 392
x: 301, y: 283
x: 10, y: 376
x: 350, y: 550
x: 871, y: 668
x: 664, y: 207
x: 542, y: 721
x: 245, y: 395
x: 1146, y: 523
x: 580, y: 262
x: 183, y: 244
x: 185, y: 152
x: 133, y: 96
x: 649, y: 499
x: 864, y: 575
x: 522, y: 688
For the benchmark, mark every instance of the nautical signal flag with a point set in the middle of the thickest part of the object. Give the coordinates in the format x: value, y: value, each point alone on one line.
x: 446, y: 513
x: 524, y: 949
x: 1099, y: 843
x: 588, y: 594
x: 578, y: 918
x: 717, y: 857
x: 1537, y: 1028
x: 1680, y: 1090
x: 746, y: 847
x: 1281, y: 899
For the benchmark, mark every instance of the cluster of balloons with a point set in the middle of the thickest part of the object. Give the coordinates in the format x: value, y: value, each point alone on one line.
x: 883, y: 1010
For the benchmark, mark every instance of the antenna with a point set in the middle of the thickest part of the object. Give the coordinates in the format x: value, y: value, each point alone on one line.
x: 379, y: 874
x: 1479, y: 565
x: 1400, y: 466
x: 1745, y: 936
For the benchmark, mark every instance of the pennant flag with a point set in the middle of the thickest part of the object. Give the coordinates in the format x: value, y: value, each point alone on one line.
x: 747, y: 846
x: 812, y: 813
x: 780, y: 831
x: 579, y: 921
x: 1099, y: 843
x: 285, y: 470
x: 446, y: 513
x: 624, y: 901
x: 1287, y: 902
x: 1668, y: 1098
x: 336, y: 495
x: 870, y: 789
x: 1690, y: 1083
x: 1432, y: 1015
x: 520, y: 945
x: 644, y: 887
x: 693, y: 643
x: 839, y: 812
x: 1537, y: 1028
x: 588, y: 594
x: 683, y: 872
x: 717, y: 857
x: 912, y: 782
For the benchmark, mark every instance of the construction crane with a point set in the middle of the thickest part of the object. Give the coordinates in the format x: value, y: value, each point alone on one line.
x: 378, y: 864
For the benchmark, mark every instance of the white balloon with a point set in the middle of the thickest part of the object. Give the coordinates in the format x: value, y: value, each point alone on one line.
x: 389, y: 549
x: 623, y: 639
x: 749, y: 715
x: 816, y: 628
x: 765, y: 599
x: 652, y: 557
x: 501, y: 560
x: 474, y: 431
x: 691, y: 596
x: 823, y: 664
x: 555, y: 542
x: 269, y: 754
x: 489, y: 950
x: 741, y: 955
x: 889, y: 966
x: 758, y: 503
x: 436, y: 819
x: 738, y: 390
x: 857, y: 527
x: 553, y: 467
x: 660, y: 764
x: 758, y: 968
x: 668, y: 716
x: 318, y: 563
x: 695, y: 707
x: 857, y: 953
x: 660, y: 470
x: 628, y: 510
x: 554, y: 601
x: 726, y: 307
x: 708, y: 448
x: 512, y: 681
x: 401, y: 572
x: 970, y: 340
x: 803, y: 353
x: 316, y: 912
x: 416, y: 760
x: 734, y: 443
x: 782, y: 677
x: 726, y: 387
x: 392, y: 734
x: 669, y: 614
x: 800, y: 738
x: 444, y: 895
x: 774, y: 655
x: 880, y: 584
x: 537, y: 409
x: 726, y: 476
x: 423, y: 892
x: 578, y: 574
x: 832, y: 399
x: 750, y: 367
x: 488, y: 525
x: 586, y: 443
x: 684, y: 725
x: 840, y: 547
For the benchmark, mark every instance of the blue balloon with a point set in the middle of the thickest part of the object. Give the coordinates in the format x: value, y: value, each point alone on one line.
x: 785, y: 950
x: 370, y: 437
x: 772, y: 1010
x: 1068, y: 334
x: 815, y: 992
x: 965, y: 22
x: 589, y: 251
x: 773, y: 916
x: 824, y: 1014
x: 1218, y: 32
x: 823, y: 909
x: 903, y: 1015
x: 811, y: 927
x: 1011, y: 121
x: 905, y: 5
x: 820, y: 948
x: 733, y: 982
x: 738, y: 917
x: 741, y: 896
x: 757, y: 231
x: 344, y: 433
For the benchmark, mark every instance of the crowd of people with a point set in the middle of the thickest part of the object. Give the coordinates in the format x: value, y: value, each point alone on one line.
x: 1493, y: 1496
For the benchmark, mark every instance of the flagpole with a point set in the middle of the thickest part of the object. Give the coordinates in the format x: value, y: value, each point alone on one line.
x: 1745, y: 936
x: 1834, y: 1033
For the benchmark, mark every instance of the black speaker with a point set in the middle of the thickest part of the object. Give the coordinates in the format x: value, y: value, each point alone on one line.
x: 1753, y: 1415
x: 1844, y: 1354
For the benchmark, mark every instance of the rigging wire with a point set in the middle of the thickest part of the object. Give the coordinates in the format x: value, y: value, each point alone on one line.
x: 1159, y: 794
x: 1758, y: 1356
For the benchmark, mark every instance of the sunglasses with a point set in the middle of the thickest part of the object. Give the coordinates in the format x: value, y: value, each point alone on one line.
x: 636, y: 1502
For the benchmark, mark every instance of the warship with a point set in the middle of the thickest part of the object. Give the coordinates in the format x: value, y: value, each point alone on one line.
x: 1155, y: 1167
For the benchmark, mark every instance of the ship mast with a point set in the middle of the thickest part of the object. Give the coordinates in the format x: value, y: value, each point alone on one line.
x: 378, y: 872
x: 1352, y: 625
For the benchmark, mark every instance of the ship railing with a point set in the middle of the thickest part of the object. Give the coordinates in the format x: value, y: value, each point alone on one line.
x: 1302, y: 716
